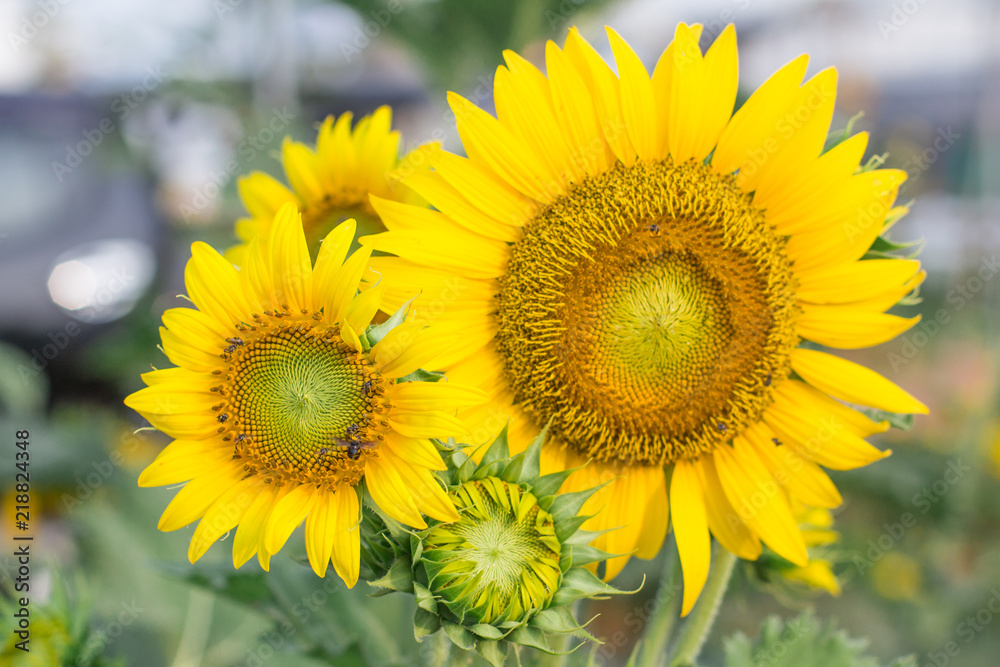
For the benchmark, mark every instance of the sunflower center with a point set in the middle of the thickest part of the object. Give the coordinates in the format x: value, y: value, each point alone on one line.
x: 646, y: 313
x: 500, y: 561
x: 300, y: 403
x: 321, y: 218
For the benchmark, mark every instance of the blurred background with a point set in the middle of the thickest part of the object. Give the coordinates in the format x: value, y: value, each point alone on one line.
x: 123, y: 128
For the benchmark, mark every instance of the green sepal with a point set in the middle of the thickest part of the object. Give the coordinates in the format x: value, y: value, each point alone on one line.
x: 560, y: 619
x: 902, y: 421
x: 567, y: 505
x: 459, y: 636
x: 425, y: 623
x: 580, y: 583
x: 420, y: 375
x: 492, y: 651
x: 498, y: 450
x: 584, y: 554
x: 549, y: 485
x: 487, y: 631
x: 533, y: 637
x: 466, y: 471
x: 425, y: 599
x: 398, y: 578
x: 376, y: 332
x: 839, y: 136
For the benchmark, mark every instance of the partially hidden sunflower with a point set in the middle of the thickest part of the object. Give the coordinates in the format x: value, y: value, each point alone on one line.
x: 626, y: 258
x: 284, y: 400
x: 329, y: 182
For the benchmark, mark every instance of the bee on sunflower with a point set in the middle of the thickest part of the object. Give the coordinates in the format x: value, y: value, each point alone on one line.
x: 653, y: 274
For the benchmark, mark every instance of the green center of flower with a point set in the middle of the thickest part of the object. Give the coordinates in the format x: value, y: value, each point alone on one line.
x: 300, y: 402
x: 647, y: 313
x: 500, y: 561
x: 320, y: 219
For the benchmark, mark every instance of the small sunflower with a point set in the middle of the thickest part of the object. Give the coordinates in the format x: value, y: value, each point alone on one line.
x: 329, y: 182
x: 284, y: 399
x: 625, y: 258
x: 508, y: 571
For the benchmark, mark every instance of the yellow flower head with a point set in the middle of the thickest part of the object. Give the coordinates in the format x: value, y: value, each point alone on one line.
x: 626, y: 258
x: 329, y: 183
x: 284, y: 399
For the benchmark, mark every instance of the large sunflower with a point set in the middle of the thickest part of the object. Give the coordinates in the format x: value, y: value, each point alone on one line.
x: 281, y: 405
x: 625, y: 257
x: 329, y: 182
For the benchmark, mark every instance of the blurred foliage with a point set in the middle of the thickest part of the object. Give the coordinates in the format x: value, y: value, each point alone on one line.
x: 469, y: 36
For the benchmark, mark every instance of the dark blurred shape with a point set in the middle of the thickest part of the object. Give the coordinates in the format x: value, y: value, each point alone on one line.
x: 77, y: 236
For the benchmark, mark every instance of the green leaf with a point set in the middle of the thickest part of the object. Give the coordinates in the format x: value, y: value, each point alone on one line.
x: 377, y: 332
x: 802, y: 642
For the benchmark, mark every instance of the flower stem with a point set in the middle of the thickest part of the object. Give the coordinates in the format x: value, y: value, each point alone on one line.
x: 668, y: 603
x: 699, y: 623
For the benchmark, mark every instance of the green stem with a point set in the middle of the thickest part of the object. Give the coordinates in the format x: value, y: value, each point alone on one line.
x: 668, y: 603
x: 699, y: 623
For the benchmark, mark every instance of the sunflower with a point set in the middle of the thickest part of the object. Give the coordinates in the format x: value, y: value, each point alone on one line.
x: 329, y: 183
x: 626, y: 258
x: 282, y: 403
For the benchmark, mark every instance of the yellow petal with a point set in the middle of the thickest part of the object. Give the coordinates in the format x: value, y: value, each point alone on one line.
x: 345, y: 285
x: 446, y: 198
x: 803, y: 479
x: 604, y: 88
x: 418, y: 452
x: 524, y: 106
x: 849, y: 328
x: 214, y: 286
x: 723, y: 520
x: 759, y: 500
x: 416, y: 396
x: 574, y: 109
x: 855, y: 281
x: 288, y: 513
x: 197, y: 496
x: 687, y: 510
x: 488, y: 142
x: 290, y: 265
x: 330, y: 259
x: 637, y: 100
x: 224, y: 514
x: 250, y: 531
x: 346, y: 552
x: 302, y: 169
x: 183, y: 460
x: 485, y: 188
x: 389, y: 492
x: 745, y: 141
x: 321, y: 530
x: 362, y: 309
x: 852, y: 382
x: 702, y: 93
x: 463, y: 253
x: 263, y: 195
x: 425, y: 424
x: 827, y: 441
